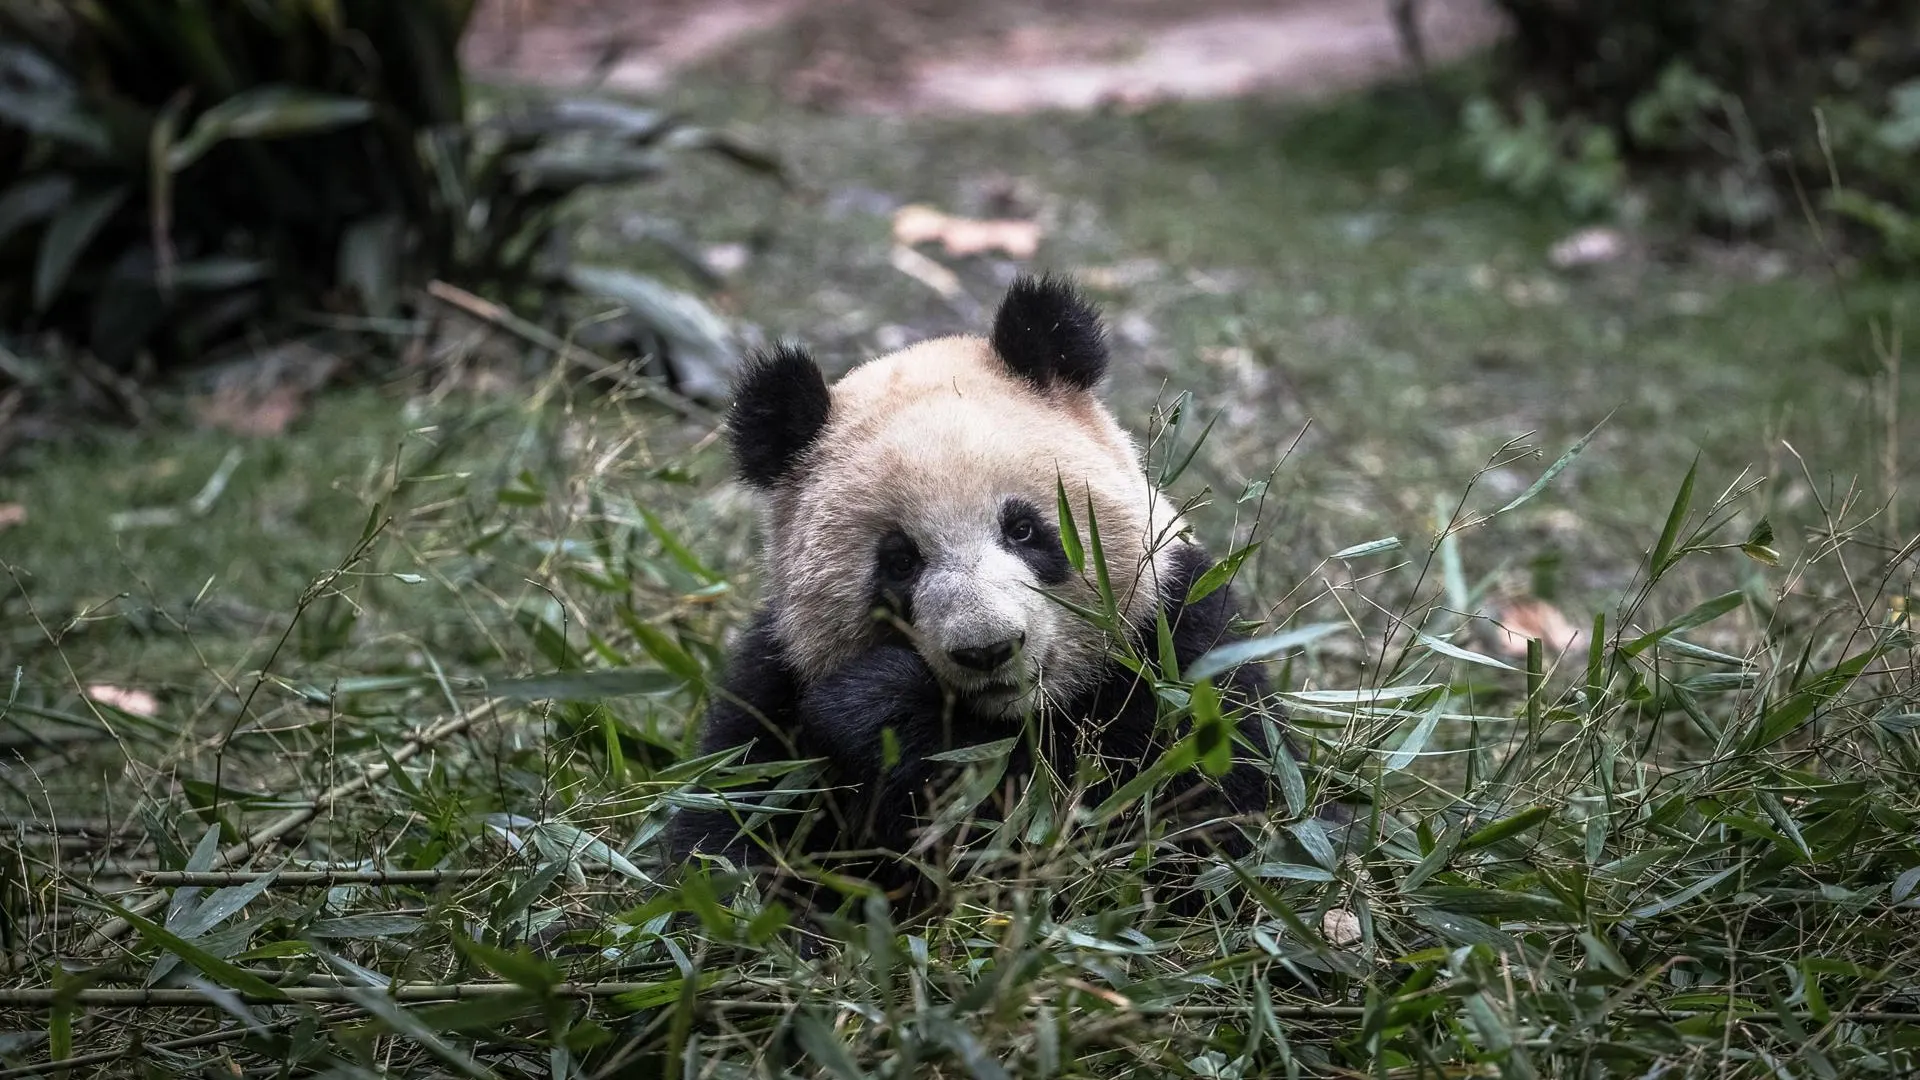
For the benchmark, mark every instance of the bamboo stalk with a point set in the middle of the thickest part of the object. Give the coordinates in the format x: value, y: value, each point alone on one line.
x: 371, y: 772
x: 168, y: 879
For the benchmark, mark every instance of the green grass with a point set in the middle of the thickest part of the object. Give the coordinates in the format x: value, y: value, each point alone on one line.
x: 470, y: 633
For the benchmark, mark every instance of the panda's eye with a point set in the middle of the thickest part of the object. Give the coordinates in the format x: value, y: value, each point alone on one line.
x: 1020, y: 530
x: 899, y: 558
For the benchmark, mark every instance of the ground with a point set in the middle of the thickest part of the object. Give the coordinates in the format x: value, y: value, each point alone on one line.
x: 1383, y: 343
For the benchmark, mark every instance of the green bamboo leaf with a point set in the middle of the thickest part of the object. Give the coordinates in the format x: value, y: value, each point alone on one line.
x: 588, y: 686
x: 1670, y: 534
x: 1553, y: 470
x: 221, y: 971
x: 1702, y: 614
x: 67, y: 236
x: 1219, y: 574
x: 1780, y: 720
x: 33, y: 200
x: 1232, y: 655
x: 1365, y: 696
x: 1069, y: 532
x: 266, y: 112
x: 1163, y: 639
x: 1497, y: 831
x: 1436, y: 860
x: 38, y: 96
x: 1668, y: 903
x: 664, y: 650
x: 1212, y: 734
x: 1473, y: 900
x: 1371, y: 547
x: 983, y: 752
x: 1783, y: 820
x: 1416, y: 740
x: 1446, y: 648
x: 1109, y: 606
x: 405, y: 1024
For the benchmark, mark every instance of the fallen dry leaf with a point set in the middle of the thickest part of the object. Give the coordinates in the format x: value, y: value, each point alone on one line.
x: 246, y: 412
x: 135, y: 702
x: 1340, y: 927
x: 1587, y: 247
x: 921, y: 224
x: 1517, y: 620
x: 12, y: 514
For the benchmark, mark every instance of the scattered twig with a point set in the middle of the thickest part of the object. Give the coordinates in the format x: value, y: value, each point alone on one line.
x: 151, y: 998
x: 597, y: 366
x: 297, y: 878
x: 372, y: 772
x: 107, y: 1057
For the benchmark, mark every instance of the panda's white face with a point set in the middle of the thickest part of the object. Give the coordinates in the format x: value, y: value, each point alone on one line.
x: 932, y: 494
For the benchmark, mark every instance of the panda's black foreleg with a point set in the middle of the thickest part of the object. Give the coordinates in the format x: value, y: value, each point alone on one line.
x: 846, y: 715
x: 754, y: 706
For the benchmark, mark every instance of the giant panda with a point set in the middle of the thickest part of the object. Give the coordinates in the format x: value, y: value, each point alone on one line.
x: 914, y: 571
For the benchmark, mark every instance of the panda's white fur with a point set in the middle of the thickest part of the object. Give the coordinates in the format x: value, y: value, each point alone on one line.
x: 935, y: 439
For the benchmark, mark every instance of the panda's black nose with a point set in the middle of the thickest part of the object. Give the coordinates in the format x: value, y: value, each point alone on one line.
x: 984, y: 658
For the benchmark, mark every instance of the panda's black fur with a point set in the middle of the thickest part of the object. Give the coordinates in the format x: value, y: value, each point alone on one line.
x: 1049, y: 336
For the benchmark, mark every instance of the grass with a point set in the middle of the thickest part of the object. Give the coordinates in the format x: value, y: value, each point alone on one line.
x: 462, y: 634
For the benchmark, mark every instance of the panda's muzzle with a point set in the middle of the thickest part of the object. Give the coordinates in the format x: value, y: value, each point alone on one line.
x: 987, y: 659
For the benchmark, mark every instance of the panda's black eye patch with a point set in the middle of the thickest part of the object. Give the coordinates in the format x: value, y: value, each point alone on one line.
x: 1035, y: 540
x: 898, y: 561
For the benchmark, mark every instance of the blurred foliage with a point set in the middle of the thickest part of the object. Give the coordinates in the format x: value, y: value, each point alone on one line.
x: 1733, y: 100
x: 181, y: 171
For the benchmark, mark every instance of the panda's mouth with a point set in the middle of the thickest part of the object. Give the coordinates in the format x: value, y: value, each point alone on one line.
x: 997, y: 697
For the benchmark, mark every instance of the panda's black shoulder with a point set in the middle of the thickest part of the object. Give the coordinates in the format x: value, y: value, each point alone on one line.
x: 1207, y: 622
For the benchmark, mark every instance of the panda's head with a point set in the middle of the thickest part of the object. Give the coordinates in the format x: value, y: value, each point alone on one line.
x: 924, y: 485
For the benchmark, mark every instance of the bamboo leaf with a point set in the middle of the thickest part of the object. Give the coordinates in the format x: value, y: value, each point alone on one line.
x: 1227, y: 657
x: 1446, y: 648
x: 266, y: 112
x: 1494, y: 832
x: 1070, y: 532
x: 1416, y: 740
x: 1219, y: 574
x: 1553, y: 470
x: 1670, y: 534
x: 67, y: 236
x: 1371, y: 547
x: 1702, y: 614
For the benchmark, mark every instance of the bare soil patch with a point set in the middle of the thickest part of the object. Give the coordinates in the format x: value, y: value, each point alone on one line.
x: 992, y: 56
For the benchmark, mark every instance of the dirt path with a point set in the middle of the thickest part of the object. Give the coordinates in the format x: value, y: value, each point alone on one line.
x: 982, y: 56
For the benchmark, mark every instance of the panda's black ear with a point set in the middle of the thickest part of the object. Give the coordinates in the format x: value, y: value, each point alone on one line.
x: 780, y: 406
x: 1049, y: 334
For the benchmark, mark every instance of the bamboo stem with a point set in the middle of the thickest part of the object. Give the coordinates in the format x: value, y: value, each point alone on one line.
x: 167, y: 879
